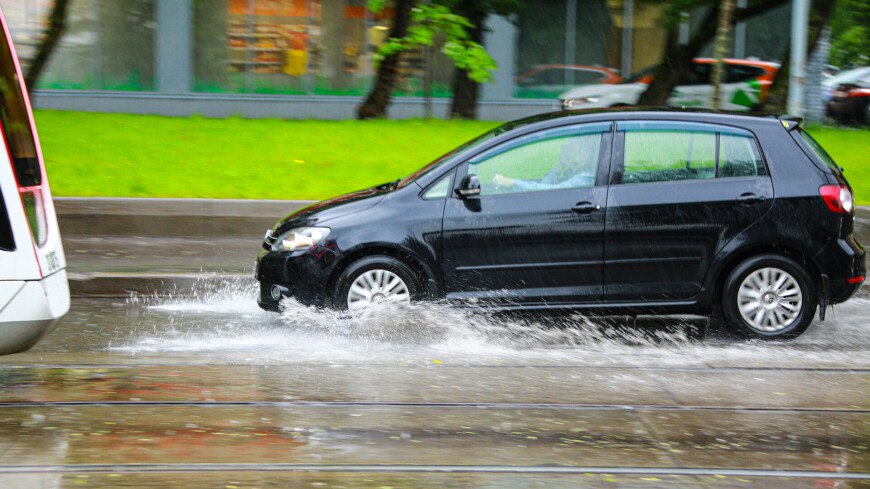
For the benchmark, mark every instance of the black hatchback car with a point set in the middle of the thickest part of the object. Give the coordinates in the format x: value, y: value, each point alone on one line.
x: 622, y: 212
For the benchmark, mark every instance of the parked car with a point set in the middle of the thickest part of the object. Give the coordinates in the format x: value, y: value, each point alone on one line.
x: 548, y: 81
x: 850, y: 102
x: 34, y: 292
x: 690, y: 214
x: 831, y: 83
x: 746, y: 85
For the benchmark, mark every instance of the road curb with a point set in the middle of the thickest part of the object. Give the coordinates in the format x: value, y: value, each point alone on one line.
x: 87, y: 223
x: 120, y: 284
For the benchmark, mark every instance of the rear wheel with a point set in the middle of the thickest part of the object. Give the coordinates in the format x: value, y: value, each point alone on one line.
x: 375, y: 280
x: 769, y: 297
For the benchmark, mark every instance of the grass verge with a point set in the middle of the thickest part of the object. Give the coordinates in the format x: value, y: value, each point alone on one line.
x: 121, y: 155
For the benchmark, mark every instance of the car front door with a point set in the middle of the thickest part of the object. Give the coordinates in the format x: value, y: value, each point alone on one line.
x: 534, y: 233
x: 679, y: 192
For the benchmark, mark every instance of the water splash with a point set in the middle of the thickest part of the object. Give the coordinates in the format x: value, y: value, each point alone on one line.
x: 220, y: 318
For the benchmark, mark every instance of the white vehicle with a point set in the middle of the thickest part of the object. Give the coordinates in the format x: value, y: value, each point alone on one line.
x: 34, y: 292
x: 830, y: 84
x: 747, y: 84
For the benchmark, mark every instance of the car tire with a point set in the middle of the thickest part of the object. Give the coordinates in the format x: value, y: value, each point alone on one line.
x: 372, y: 265
x: 769, y: 297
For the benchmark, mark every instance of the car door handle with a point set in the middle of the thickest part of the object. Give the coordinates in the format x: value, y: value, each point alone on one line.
x: 750, y: 198
x: 585, y: 207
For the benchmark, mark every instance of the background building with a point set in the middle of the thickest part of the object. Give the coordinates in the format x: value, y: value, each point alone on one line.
x: 314, y: 58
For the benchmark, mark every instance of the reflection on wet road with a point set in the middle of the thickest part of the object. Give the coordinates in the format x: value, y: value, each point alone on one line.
x: 213, y: 392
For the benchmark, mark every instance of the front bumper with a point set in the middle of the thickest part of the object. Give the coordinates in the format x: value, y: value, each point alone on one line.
x: 305, y: 274
x: 33, y: 312
x: 842, y: 260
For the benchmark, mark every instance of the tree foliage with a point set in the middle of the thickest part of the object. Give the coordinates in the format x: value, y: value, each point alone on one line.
x: 850, y: 33
x: 436, y: 21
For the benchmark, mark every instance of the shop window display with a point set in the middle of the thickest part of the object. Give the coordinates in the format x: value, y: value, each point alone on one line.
x: 312, y: 47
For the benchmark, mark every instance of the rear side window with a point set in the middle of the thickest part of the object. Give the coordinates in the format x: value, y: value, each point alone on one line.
x: 16, y: 123
x: 740, y: 73
x: 698, y: 74
x: 668, y: 151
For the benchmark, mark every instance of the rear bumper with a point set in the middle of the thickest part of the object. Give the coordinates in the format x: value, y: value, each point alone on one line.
x: 842, y: 260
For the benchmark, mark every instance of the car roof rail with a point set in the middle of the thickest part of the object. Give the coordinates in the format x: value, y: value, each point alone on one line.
x: 791, y: 122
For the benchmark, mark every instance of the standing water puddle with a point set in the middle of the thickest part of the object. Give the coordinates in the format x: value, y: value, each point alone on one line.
x: 220, y: 321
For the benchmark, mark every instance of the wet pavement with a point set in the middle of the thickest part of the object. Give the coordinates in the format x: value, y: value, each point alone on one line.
x: 205, y: 390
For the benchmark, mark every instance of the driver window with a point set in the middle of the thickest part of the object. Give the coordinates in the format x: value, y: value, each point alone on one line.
x: 550, y: 160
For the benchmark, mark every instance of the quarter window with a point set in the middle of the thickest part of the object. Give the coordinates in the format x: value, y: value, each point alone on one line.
x: 560, y: 158
x: 739, y: 157
x: 672, y: 151
x: 439, y: 190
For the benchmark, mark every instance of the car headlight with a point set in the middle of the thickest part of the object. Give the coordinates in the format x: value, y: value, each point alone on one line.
x: 300, y: 239
x: 570, y: 103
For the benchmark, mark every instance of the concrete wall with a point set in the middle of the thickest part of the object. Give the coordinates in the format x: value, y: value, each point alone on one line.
x: 266, y: 106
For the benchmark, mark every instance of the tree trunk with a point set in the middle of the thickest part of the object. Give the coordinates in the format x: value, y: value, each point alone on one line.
x: 465, y: 90
x: 722, y: 34
x: 375, y: 105
x: 678, y: 58
x: 777, y: 100
x: 46, y: 47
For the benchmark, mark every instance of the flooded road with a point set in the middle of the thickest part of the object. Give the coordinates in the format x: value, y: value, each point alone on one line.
x: 210, y: 391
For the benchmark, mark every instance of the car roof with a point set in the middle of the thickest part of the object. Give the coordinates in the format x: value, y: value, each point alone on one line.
x: 698, y: 115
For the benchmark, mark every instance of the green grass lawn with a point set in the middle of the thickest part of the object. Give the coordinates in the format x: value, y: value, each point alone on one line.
x: 119, y: 155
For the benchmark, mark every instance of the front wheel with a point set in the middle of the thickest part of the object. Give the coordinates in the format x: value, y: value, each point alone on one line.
x: 375, y: 280
x: 769, y: 297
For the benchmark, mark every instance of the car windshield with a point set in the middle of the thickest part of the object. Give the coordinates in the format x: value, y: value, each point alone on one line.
x: 447, y: 157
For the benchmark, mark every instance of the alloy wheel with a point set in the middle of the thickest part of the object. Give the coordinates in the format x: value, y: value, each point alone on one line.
x: 769, y: 299
x: 376, y: 287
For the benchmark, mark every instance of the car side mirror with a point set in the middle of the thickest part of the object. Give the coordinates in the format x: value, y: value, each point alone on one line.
x: 470, y: 186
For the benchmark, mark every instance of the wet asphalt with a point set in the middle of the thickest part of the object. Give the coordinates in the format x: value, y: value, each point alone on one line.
x: 195, y: 386
x: 206, y: 390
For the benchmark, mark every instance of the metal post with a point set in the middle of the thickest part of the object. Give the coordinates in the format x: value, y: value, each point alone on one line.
x: 740, y: 34
x: 500, y: 40
x: 627, y: 21
x: 797, y: 74
x: 174, y: 46
x: 570, y: 38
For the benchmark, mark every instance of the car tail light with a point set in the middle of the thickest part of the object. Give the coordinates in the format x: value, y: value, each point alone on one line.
x: 838, y: 198
x: 34, y: 208
x: 858, y: 93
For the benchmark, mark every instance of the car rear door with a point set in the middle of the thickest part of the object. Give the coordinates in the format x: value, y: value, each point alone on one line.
x: 534, y: 234
x: 679, y: 192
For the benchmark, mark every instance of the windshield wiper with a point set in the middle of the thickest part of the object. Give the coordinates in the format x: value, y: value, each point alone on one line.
x: 389, y: 185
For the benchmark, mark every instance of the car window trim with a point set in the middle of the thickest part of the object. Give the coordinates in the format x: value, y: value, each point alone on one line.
x: 617, y: 164
x: 600, y: 177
